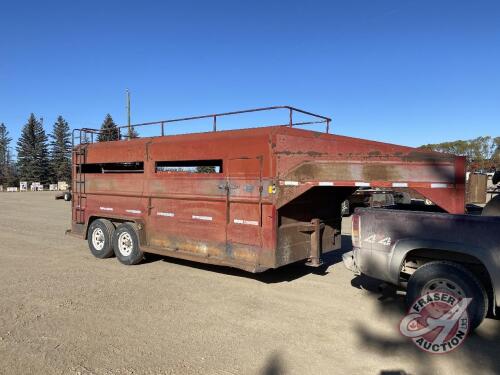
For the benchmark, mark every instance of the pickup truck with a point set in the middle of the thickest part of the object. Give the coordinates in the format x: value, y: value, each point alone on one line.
x: 426, y: 251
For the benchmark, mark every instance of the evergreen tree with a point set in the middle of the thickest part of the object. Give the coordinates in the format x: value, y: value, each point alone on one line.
x: 10, y: 172
x: 4, y: 154
x: 60, y: 151
x: 109, y: 130
x: 32, y: 153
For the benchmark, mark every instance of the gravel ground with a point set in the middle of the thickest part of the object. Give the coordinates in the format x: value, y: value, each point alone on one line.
x: 62, y: 311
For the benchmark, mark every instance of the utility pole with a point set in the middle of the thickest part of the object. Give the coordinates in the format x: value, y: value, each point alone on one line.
x: 128, y: 115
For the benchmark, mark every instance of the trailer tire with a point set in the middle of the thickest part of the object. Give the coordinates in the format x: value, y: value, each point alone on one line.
x: 100, y: 238
x: 126, y: 244
x: 453, y: 278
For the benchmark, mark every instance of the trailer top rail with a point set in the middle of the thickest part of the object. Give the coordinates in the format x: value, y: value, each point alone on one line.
x: 89, y: 135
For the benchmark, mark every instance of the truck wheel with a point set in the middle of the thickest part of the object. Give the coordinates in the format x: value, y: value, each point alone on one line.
x: 67, y: 197
x: 100, y: 238
x: 126, y: 244
x: 452, y: 278
x: 492, y: 208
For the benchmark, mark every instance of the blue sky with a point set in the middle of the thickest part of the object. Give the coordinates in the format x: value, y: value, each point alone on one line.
x: 407, y: 72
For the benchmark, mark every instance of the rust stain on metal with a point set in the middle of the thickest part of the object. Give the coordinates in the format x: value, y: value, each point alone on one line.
x: 313, y: 154
x: 426, y: 156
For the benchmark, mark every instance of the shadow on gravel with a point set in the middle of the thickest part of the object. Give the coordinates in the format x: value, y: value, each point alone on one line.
x: 480, y: 353
x: 274, y: 365
x: 283, y: 274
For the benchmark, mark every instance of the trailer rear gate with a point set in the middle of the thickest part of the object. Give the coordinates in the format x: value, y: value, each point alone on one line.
x: 252, y: 198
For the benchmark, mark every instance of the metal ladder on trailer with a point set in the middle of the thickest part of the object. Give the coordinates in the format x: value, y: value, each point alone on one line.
x: 79, y: 158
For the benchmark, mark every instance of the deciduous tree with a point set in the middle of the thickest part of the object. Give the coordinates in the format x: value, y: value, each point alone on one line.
x: 482, y: 153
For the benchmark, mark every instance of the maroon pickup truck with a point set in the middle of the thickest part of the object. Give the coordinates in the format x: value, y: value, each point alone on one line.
x: 425, y: 252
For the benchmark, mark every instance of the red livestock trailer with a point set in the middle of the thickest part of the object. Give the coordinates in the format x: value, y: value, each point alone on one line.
x: 255, y: 199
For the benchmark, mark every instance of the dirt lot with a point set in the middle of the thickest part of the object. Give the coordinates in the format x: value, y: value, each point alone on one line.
x: 62, y: 311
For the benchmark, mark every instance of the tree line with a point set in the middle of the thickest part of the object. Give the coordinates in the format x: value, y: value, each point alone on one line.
x: 482, y: 153
x: 42, y: 157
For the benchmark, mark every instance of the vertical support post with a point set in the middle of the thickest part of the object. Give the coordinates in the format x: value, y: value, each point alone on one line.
x: 215, y: 123
x: 291, y: 117
x: 327, y: 126
x: 128, y: 116
x: 315, y: 256
x: 162, y: 129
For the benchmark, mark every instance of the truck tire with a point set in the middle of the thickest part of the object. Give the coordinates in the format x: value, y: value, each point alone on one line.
x: 126, y: 244
x: 67, y: 196
x: 492, y: 208
x: 453, y: 278
x: 100, y: 238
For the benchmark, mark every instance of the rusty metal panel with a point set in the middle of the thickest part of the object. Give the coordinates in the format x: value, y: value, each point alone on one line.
x: 116, y: 151
x: 250, y: 144
x: 119, y: 184
x: 190, y: 225
x: 306, y: 159
x: 244, y: 224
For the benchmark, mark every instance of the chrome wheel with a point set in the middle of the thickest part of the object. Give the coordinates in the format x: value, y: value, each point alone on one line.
x: 443, y: 285
x: 98, y: 239
x: 125, y: 244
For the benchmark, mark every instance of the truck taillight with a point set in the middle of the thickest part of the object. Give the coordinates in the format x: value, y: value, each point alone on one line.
x: 356, y: 230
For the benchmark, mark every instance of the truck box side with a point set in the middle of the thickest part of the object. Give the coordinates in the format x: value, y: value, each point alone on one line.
x: 387, y: 237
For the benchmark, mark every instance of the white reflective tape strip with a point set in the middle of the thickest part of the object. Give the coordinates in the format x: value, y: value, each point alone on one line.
x: 437, y: 186
x: 167, y: 214
x: 133, y: 211
x: 247, y: 222
x: 206, y: 218
x: 325, y: 183
x: 362, y: 184
x: 291, y: 183
x: 105, y: 208
x: 399, y: 184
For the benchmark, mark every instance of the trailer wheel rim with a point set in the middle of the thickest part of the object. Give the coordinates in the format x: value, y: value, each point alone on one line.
x: 125, y: 244
x: 98, y: 239
x: 443, y: 285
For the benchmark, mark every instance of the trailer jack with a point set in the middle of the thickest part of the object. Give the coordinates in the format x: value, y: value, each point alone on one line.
x: 315, y: 228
